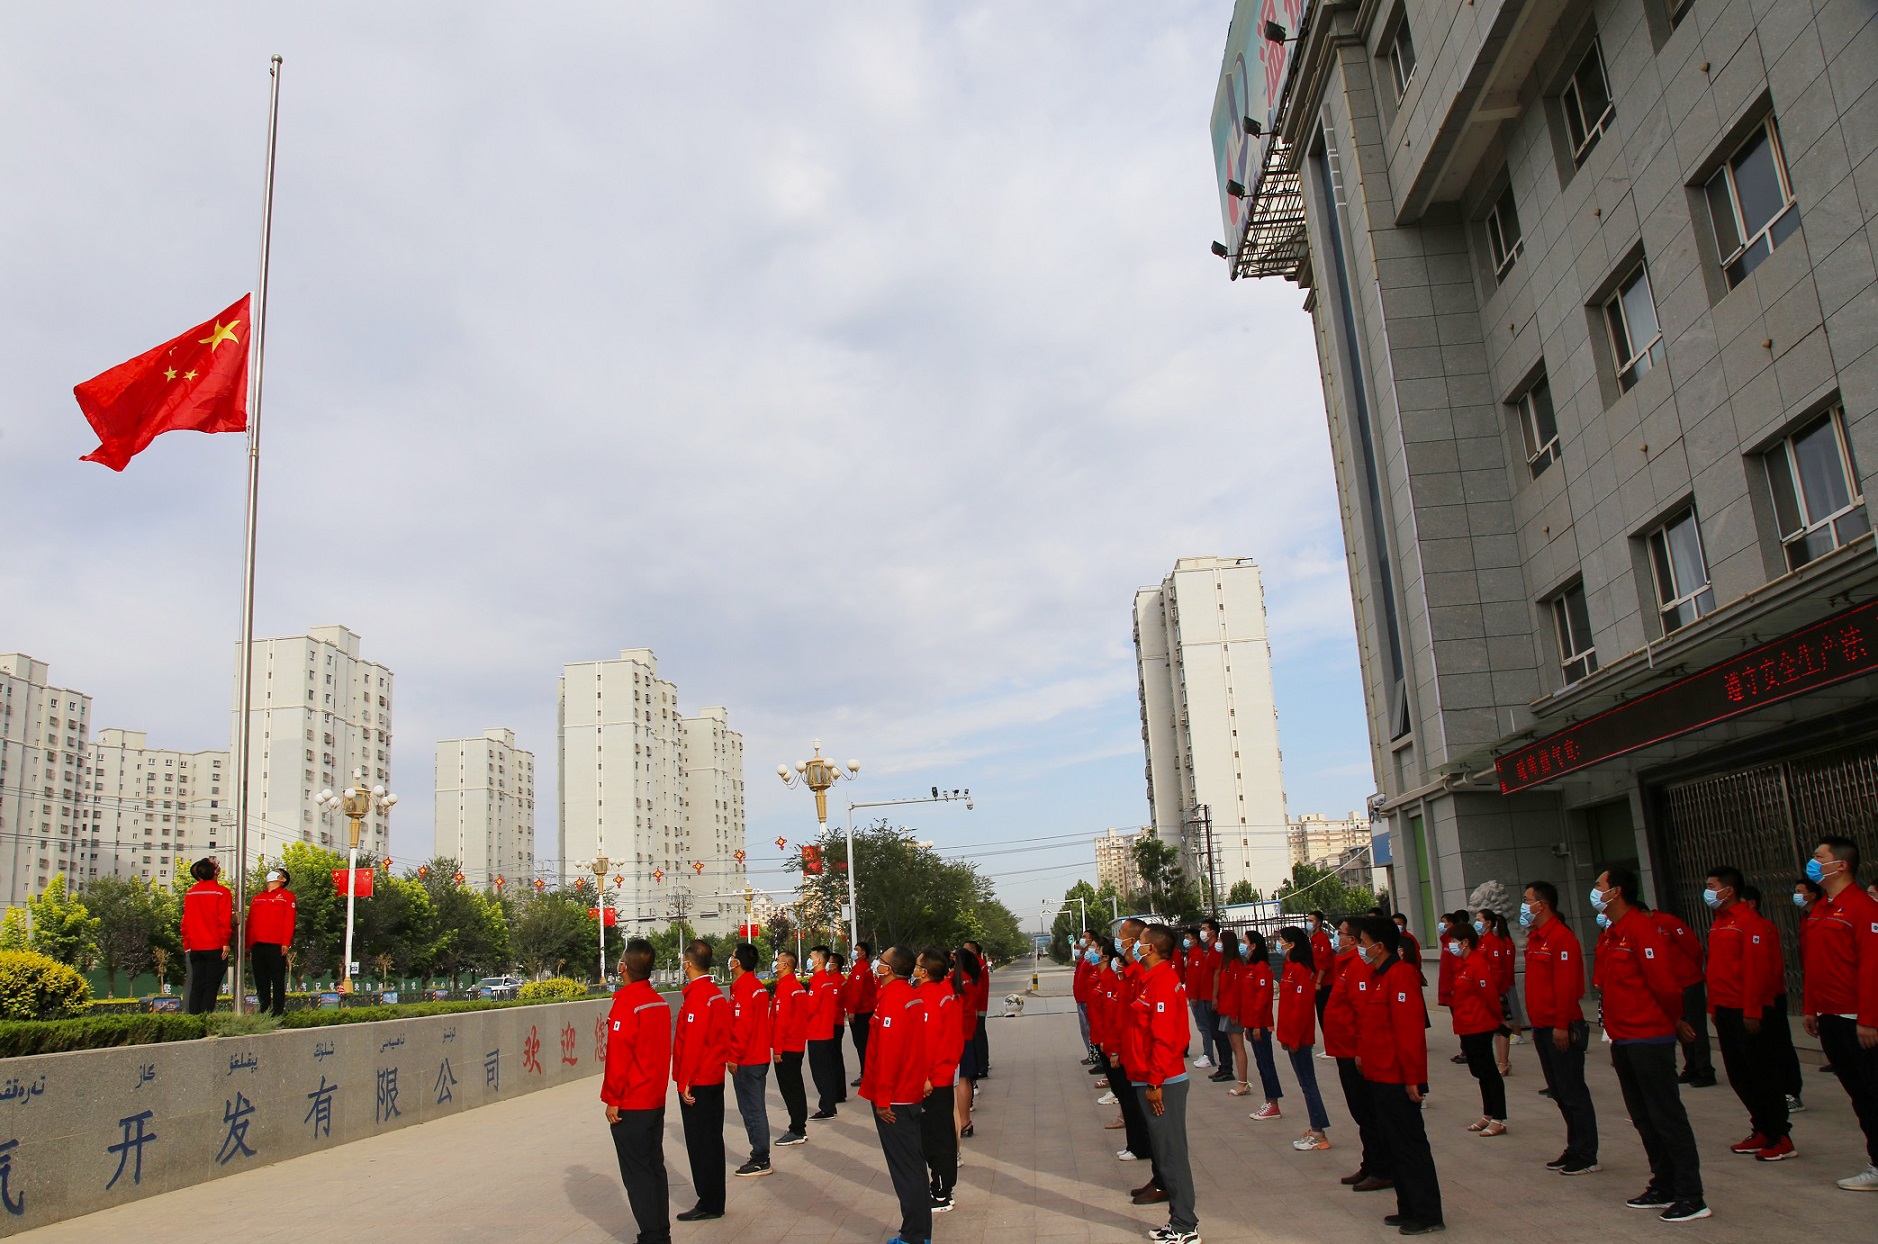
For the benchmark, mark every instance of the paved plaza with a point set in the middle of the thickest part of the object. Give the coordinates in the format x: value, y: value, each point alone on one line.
x: 541, y: 1168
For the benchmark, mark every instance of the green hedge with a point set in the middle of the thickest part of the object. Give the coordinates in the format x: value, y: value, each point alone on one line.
x: 36, y: 987
x: 554, y: 989
x: 95, y: 1032
x: 372, y: 1014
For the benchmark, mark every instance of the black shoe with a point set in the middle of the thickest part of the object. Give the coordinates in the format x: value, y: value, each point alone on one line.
x: 966, y: 1132
x: 1357, y: 1178
x: 792, y: 1138
x: 1151, y: 1196
x: 1371, y: 1183
x: 1650, y: 1198
x: 1143, y: 1188
x: 1422, y: 1228
x: 1559, y: 1161
x: 1707, y: 1081
x: 823, y: 1114
x: 1393, y: 1220
x: 1221, y: 1077
x: 699, y: 1214
x: 1580, y: 1166
x: 1546, y: 1093
x: 1684, y: 1211
x: 854, y: 1084
x: 752, y: 1168
x: 941, y: 1204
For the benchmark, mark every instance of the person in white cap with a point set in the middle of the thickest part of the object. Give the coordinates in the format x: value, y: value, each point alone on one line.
x: 270, y: 931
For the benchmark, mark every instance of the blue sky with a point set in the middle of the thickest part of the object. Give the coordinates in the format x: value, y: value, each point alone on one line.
x: 859, y: 360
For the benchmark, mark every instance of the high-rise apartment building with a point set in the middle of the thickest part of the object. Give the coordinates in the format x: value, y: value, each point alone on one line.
x: 1115, y: 861
x: 152, y: 812
x: 1591, y: 288
x: 44, y: 737
x: 320, y: 712
x: 485, y: 809
x: 1316, y: 837
x: 626, y: 792
x: 1209, y: 725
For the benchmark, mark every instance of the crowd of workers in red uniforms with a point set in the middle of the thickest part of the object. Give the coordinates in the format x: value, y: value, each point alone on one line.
x: 1362, y: 981
x: 917, y: 1022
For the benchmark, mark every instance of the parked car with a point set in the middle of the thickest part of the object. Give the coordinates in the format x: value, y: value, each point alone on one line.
x: 500, y: 988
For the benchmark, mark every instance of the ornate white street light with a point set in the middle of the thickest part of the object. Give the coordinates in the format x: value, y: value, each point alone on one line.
x: 357, y: 802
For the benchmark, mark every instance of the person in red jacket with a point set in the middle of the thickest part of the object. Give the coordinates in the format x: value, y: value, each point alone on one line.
x: 1449, y: 964
x: 1322, y: 955
x: 749, y: 1055
x: 1555, y: 990
x: 1640, y: 983
x: 1779, y: 1035
x: 858, y: 993
x: 981, y: 1039
x: 945, y: 1042
x: 789, y: 1028
x: 208, y: 927
x: 1349, y: 998
x: 1120, y: 1048
x: 1477, y: 1021
x: 1204, y: 965
x: 894, y: 1081
x: 1226, y: 1008
x: 269, y: 933
x: 1685, y: 952
x: 633, y: 1086
x: 1158, y: 1077
x: 700, y: 1051
x: 824, y: 1034
x: 1839, y: 997
x: 1739, y: 998
x: 1255, y: 1016
x: 1392, y: 1054
x: 1411, y: 948
x: 1297, y: 1028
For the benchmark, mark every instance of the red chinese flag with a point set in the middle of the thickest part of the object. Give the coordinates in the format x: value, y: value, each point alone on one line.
x: 197, y: 382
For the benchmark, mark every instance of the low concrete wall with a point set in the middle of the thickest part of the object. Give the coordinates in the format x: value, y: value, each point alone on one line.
x: 93, y: 1128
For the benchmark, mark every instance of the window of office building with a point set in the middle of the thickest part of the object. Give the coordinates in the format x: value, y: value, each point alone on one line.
x: 1680, y: 572
x: 1636, y: 340
x: 1750, y: 203
x: 1538, y: 426
x: 1504, y: 241
x: 1587, y: 103
x: 1401, y: 59
x: 1571, y: 623
x: 1817, y: 502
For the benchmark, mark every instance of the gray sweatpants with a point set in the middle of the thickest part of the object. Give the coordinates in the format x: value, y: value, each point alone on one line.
x: 1168, y: 1132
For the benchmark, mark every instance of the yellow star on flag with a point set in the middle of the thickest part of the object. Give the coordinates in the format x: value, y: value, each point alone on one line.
x: 189, y: 375
x: 169, y: 374
x: 218, y: 334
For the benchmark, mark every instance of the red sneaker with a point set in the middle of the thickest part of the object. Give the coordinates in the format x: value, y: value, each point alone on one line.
x: 1749, y: 1147
x: 1779, y: 1151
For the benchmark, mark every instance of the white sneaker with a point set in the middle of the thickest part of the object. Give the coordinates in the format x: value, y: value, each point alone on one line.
x: 1203, y: 1061
x: 1126, y: 1155
x: 1865, y: 1181
x: 1794, y: 1104
x: 1516, y: 1039
x: 1324, y: 1054
x: 1107, y: 1099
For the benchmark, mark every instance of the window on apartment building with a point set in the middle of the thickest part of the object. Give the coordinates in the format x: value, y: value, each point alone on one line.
x: 1587, y: 103
x: 1678, y: 10
x: 1680, y: 572
x: 1750, y: 202
x: 1401, y: 59
x: 1636, y: 338
x: 1817, y: 503
x: 1571, y: 623
x: 1538, y: 426
x: 1504, y: 241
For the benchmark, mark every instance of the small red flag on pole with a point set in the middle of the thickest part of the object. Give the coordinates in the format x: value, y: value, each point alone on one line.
x: 196, y: 382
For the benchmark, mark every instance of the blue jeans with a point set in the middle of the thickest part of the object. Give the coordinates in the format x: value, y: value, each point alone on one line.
x: 751, y: 1081
x: 1268, y: 1068
x: 1206, y: 1020
x: 1306, y: 1072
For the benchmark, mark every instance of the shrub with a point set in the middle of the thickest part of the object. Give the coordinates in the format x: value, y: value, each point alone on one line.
x: 372, y: 1014
x: 33, y: 986
x: 554, y: 989
x: 95, y: 1032
x: 116, y: 1006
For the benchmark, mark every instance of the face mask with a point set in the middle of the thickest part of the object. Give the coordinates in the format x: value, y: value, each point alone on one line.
x: 1480, y: 927
x: 1712, y: 898
x: 1206, y: 935
x: 1093, y: 956
x: 1336, y: 941
x: 1799, y: 900
x: 1604, y: 921
x: 1457, y: 949
x: 1141, y: 950
x: 1815, y: 872
x: 1597, y: 899
x: 1115, y: 966
x: 1245, y: 951
x: 1186, y: 943
x: 1525, y: 915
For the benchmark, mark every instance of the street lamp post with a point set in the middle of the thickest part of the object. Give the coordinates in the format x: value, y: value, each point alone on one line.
x: 600, y: 865
x: 820, y: 774
x: 357, y: 802
x: 937, y: 796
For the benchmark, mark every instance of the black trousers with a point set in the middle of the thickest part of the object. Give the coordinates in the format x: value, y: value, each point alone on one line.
x: 906, y: 1166
x: 205, y: 981
x: 704, y: 1143
x: 1483, y: 1063
x: 1697, y: 1061
x: 270, y: 977
x: 1857, y: 1069
x: 857, y: 1029
x: 841, y: 1066
x: 939, y: 1137
x: 1780, y: 1041
x: 1133, y: 1120
x: 1323, y: 1000
x: 1754, y: 1069
x: 1564, y: 1072
x: 639, y: 1140
x: 789, y: 1084
x: 1399, y: 1120
x: 1376, y: 1162
x: 982, y: 1044
x: 825, y: 1070
x: 1647, y: 1076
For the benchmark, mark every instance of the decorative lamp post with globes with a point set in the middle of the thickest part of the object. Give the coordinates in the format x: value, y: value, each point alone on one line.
x: 600, y: 864
x: 820, y: 774
x: 357, y: 802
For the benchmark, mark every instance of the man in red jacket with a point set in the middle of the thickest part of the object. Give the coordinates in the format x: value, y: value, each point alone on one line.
x: 1343, y: 1014
x: 1739, y: 998
x: 1392, y: 1054
x: 638, y: 1064
x: 208, y: 926
x: 1158, y: 1078
x: 894, y: 1081
x: 789, y: 1035
x: 1555, y: 990
x: 750, y: 1054
x: 1640, y: 979
x: 824, y: 1035
x: 1839, y: 955
x: 1685, y: 953
x: 1321, y: 957
x: 945, y: 1043
x: 269, y: 933
x: 858, y: 995
x: 700, y: 1050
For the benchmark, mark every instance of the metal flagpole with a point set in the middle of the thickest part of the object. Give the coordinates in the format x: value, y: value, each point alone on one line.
x: 257, y: 343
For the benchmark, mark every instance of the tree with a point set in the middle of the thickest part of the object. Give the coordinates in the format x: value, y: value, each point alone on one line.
x: 129, y: 917
x: 1315, y: 888
x: 1166, y: 887
x: 469, y: 931
x: 553, y: 928
x: 62, y: 927
x: 1069, y: 918
x: 1242, y: 892
x: 319, y: 910
x: 14, y: 933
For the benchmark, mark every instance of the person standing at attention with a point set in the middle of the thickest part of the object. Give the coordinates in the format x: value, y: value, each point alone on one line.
x: 789, y: 1037
x: 638, y: 1066
x: 981, y: 1040
x: 208, y: 927
x: 1555, y: 990
x: 824, y: 1033
x: 749, y: 1055
x: 1160, y: 1032
x: 858, y: 993
x: 1393, y: 1057
x: 1478, y: 1022
x: 1839, y: 998
x: 1740, y: 996
x: 700, y: 1051
x: 1343, y: 1016
x: 1322, y: 954
x: 1297, y: 1031
x: 894, y: 1082
x: 269, y: 933
x: 945, y: 1041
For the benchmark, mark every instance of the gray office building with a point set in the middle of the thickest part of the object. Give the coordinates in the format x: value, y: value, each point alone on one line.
x: 1593, y: 291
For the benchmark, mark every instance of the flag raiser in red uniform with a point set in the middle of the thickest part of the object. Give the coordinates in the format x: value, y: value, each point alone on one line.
x: 197, y: 381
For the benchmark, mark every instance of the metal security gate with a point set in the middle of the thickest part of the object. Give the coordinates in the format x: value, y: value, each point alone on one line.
x: 1764, y: 821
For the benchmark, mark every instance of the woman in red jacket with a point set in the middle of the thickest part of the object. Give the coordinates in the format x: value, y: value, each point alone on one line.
x: 1477, y: 1020
x: 967, y: 971
x: 1297, y: 1030
x: 1444, y: 974
x: 1255, y: 1016
x: 1226, y: 1006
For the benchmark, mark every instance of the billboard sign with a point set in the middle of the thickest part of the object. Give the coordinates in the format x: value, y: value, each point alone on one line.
x: 1251, y: 79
